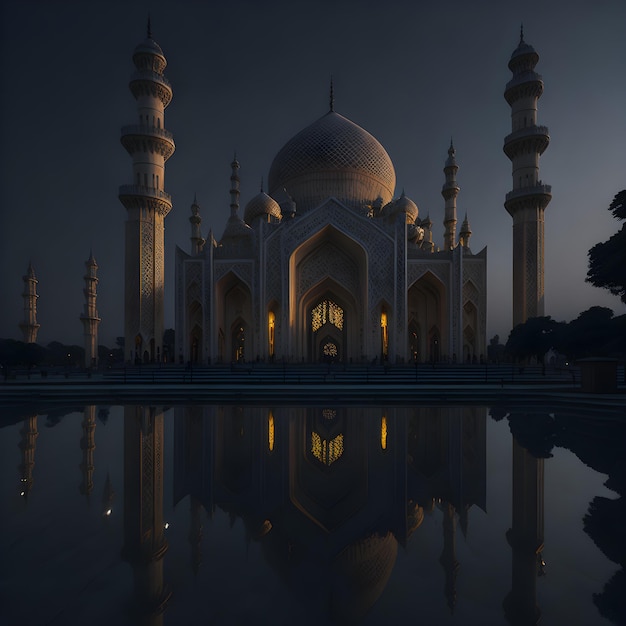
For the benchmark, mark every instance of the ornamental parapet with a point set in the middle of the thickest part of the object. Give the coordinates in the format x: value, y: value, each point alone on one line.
x: 150, y: 75
x: 534, y: 138
x: 536, y: 194
x: 159, y: 139
x: 527, y: 131
x: 139, y: 197
x: 152, y: 84
x: 525, y: 84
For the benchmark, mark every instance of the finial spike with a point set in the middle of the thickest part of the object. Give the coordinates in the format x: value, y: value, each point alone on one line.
x: 261, y: 184
x: 521, y: 33
x: 332, y: 94
x: 149, y: 28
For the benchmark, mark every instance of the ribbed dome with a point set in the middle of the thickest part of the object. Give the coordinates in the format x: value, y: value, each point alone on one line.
x: 261, y: 205
x: 333, y: 157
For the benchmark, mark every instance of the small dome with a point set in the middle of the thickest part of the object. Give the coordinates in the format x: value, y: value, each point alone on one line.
x: 333, y: 157
x: 149, y: 46
x: 402, y: 205
x: 261, y: 205
x: 406, y: 205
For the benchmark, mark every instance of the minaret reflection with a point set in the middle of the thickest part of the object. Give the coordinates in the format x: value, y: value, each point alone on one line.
x: 29, y: 434
x: 330, y: 493
x: 526, y: 534
x: 88, y: 445
x: 144, y: 531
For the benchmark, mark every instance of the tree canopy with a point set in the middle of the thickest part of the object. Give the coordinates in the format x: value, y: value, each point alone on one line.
x: 607, y: 260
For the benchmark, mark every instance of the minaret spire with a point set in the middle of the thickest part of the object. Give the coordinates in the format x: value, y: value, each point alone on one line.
x: 529, y: 198
x: 29, y: 326
x: 89, y: 316
x: 147, y: 204
x: 450, y: 191
x: 234, y: 187
x: 197, y: 241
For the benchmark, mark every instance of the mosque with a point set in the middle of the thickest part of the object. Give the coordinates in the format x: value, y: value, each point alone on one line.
x: 329, y: 263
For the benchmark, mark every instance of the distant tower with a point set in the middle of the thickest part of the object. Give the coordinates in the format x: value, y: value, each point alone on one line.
x: 89, y: 317
x: 150, y: 145
x: 529, y: 198
x: 449, y: 192
x: 29, y: 326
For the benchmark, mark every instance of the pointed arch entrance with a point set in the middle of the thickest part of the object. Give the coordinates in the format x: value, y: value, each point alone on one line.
x: 328, y: 297
x: 234, y: 317
x: 330, y: 320
x: 428, y: 319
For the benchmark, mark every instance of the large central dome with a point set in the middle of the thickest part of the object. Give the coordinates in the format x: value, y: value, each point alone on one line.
x: 333, y: 157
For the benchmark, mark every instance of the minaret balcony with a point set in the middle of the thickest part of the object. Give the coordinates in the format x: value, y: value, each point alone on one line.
x: 527, y: 139
x: 140, y: 197
x: 136, y: 137
x: 536, y: 195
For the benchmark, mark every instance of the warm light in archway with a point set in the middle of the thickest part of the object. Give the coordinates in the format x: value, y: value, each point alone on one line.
x: 326, y: 312
x: 270, y: 432
x: 326, y: 452
x: 383, y: 432
x: 271, y: 323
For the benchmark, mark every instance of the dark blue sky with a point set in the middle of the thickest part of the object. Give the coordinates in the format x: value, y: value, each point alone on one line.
x: 247, y: 76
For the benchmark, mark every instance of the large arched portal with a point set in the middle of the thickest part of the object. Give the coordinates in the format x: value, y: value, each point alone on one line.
x: 234, y: 317
x: 328, y: 296
x: 428, y: 319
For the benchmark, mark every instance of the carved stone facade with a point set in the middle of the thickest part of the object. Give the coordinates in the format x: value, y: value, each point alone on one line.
x: 344, y: 272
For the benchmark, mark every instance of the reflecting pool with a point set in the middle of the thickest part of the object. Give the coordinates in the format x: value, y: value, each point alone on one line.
x: 312, y: 515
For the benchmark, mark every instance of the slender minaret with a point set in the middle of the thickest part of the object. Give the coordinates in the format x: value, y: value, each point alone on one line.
x: 150, y: 145
x: 89, y: 317
x: 197, y: 241
x: 29, y: 326
x: 529, y: 198
x: 449, y: 192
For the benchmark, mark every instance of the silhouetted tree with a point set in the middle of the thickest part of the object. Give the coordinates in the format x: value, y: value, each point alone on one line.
x: 607, y: 260
x: 533, y: 338
x: 495, y: 350
x: 590, y: 334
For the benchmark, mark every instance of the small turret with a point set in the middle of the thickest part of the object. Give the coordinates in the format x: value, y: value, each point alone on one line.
x: 197, y: 241
x: 465, y: 234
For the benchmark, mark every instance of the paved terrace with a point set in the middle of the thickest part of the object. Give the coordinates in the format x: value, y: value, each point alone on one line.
x: 304, y: 384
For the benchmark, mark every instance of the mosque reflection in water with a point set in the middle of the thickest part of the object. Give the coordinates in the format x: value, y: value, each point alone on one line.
x: 329, y: 494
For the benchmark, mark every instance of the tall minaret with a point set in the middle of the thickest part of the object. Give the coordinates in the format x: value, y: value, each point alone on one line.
x: 89, y: 317
x: 197, y: 241
x: 449, y: 192
x: 529, y: 198
x: 147, y: 203
x: 29, y: 326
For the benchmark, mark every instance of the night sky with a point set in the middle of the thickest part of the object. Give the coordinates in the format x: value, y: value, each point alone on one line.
x: 247, y: 76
